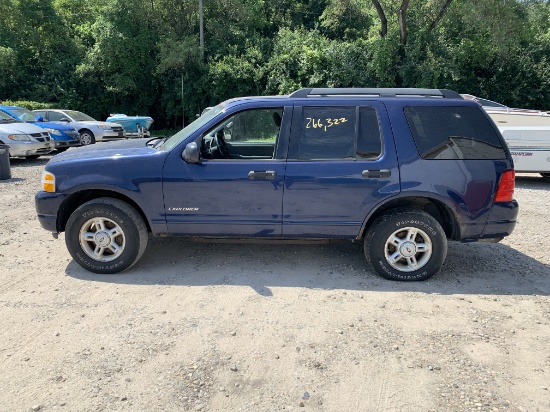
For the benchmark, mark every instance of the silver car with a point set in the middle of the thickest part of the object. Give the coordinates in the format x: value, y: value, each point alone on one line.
x: 90, y: 130
x: 24, y: 139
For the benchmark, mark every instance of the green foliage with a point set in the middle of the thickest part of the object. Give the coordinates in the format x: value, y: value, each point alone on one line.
x: 143, y: 57
x: 28, y: 104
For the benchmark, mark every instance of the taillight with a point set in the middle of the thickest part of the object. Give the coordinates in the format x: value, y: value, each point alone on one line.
x: 505, y: 189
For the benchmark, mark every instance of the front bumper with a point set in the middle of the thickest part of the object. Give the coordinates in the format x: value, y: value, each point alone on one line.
x: 22, y: 148
x: 47, y: 206
x: 66, y: 143
x: 107, y: 135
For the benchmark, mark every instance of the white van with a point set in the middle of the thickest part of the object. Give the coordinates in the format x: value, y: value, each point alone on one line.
x: 530, y: 148
x: 24, y: 139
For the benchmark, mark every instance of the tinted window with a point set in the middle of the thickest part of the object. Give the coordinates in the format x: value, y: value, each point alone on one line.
x: 369, y: 143
x: 339, y: 133
x: 327, y: 133
x: 443, y: 132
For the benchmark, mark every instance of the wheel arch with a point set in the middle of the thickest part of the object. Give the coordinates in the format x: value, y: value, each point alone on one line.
x: 73, y: 201
x: 435, y: 208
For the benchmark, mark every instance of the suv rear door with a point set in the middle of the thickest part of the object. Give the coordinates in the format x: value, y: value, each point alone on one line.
x: 341, y: 163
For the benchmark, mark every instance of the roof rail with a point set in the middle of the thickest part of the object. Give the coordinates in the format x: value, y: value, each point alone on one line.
x: 378, y: 92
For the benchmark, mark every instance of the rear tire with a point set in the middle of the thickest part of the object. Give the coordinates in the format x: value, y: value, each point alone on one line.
x: 106, y: 235
x: 406, y: 245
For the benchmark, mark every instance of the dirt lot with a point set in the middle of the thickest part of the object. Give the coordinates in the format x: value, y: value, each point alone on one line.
x: 248, y: 327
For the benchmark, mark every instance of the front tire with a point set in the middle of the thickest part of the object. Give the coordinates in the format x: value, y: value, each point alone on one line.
x: 406, y: 245
x: 106, y: 235
x: 86, y: 138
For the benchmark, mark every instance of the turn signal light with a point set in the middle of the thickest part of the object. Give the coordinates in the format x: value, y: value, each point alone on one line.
x: 506, y: 186
x: 48, y: 182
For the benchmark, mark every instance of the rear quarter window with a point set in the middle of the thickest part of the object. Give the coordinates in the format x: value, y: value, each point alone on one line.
x: 445, y: 133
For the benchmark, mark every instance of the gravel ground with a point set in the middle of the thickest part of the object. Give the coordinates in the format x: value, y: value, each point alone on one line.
x: 252, y: 327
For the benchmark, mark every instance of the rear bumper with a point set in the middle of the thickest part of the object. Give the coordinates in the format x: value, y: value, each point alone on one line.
x: 502, y: 220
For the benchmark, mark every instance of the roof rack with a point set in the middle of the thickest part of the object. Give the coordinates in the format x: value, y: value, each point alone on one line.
x: 376, y: 92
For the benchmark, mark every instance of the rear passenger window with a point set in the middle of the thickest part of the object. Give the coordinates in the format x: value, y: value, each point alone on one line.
x: 444, y: 132
x: 339, y: 133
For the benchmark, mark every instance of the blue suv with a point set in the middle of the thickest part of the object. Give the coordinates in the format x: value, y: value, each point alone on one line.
x: 401, y: 170
x: 63, y: 136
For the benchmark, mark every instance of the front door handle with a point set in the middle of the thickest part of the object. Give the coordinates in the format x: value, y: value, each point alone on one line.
x: 264, y: 174
x: 377, y: 174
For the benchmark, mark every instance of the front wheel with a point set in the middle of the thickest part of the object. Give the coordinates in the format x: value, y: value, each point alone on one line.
x: 406, y: 244
x: 106, y: 235
x: 86, y: 138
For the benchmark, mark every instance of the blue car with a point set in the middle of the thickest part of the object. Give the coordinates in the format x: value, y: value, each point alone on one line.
x: 64, y: 136
x: 402, y: 171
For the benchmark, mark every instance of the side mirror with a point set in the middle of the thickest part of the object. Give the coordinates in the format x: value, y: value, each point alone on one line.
x: 39, y: 118
x: 191, y: 153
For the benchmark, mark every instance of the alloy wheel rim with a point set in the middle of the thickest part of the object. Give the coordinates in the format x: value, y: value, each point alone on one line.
x: 408, y: 249
x: 102, y: 239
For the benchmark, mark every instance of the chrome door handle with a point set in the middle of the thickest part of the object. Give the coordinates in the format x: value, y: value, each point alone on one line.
x: 263, y: 174
x: 376, y: 174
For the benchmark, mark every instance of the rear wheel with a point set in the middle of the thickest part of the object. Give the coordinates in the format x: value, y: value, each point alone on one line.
x: 406, y: 244
x: 106, y: 235
x: 86, y: 138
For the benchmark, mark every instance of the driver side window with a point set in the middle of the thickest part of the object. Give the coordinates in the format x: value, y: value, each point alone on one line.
x: 251, y: 134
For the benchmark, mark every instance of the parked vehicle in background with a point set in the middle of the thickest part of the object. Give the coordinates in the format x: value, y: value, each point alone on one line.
x: 399, y: 170
x: 530, y: 148
x: 526, y: 132
x: 64, y: 136
x: 91, y: 130
x: 134, y: 126
x: 511, y: 117
x: 24, y: 139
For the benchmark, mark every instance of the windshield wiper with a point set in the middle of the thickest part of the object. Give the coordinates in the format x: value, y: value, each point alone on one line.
x: 156, y: 142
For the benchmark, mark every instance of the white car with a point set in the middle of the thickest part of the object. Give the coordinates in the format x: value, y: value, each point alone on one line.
x: 90, y: 129
x: 24, y: 139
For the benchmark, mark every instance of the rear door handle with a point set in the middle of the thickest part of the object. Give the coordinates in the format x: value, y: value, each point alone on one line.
x: 377, y: 174
x: 264, y: 174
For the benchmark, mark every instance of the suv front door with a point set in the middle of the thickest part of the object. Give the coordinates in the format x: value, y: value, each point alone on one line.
x: 236, y: 195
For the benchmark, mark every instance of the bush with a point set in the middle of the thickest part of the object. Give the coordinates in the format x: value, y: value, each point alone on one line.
x: 28, y: 104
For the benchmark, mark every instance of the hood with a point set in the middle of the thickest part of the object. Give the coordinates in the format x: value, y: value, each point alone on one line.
x: 20, y: 128
x: 122, y: 149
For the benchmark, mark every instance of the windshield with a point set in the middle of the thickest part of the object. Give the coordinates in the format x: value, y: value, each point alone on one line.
x: 6, y: 118
x: 192, y: 127
x: 24, y: 114
x: 79, y: 116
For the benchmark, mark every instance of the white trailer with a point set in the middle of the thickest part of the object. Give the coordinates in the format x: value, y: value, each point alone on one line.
x: 530, y: 148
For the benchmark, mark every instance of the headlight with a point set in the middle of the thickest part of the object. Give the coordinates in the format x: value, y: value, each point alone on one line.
x: 54, y: 131
x: 48, y: 182
x: 104, y: 127
x: 19, y: 137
